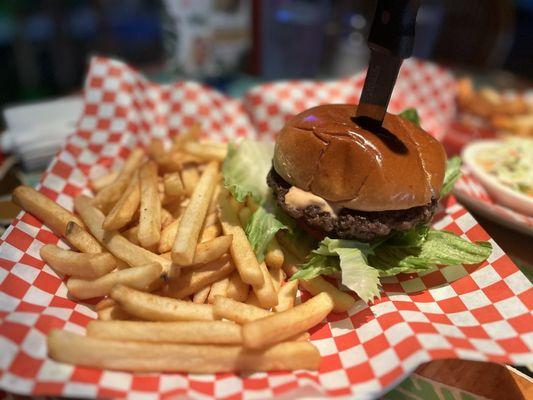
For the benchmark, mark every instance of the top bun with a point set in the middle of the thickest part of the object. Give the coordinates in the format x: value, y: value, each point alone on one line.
x: 324, y: 150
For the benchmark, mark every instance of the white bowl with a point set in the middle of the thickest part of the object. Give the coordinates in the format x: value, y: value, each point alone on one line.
x: 501, y: 193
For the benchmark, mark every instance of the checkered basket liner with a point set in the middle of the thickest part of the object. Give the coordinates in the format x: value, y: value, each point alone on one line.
x: 480, y: 312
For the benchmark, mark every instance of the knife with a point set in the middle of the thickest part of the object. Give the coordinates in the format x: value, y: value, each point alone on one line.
x: 390, y: 41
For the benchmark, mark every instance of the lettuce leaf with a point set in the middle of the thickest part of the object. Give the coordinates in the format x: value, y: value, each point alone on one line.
x: 245, y: 169
x: 361, y: 264
x: 410, y: 114
x: 260, y: 230
x: 452, y: 174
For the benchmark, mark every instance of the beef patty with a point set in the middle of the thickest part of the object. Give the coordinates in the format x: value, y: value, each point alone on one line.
x: 352, y: 224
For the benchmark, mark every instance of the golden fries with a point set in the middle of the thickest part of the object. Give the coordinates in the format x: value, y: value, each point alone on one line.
x: 114, y: 313
x: 190, y: 135
x: 210, y: 232
x: 218, y: 288
x: 116, y: 243
x: 279, y: 326
x: 44, y: 209
x: 138, y: 356
x: 241, y: 250
x: 343, y: 301
x: 112, y: 192
x: 237, y: 311
x: 124, y: 209
x: 278, y: 277
x: 265, y: 292
x: 191, y: 332
x: 81, y: 239
x: 190, y: 178
x: 168, y: 236
x: 151, y: 307
x: 274, y: 256
x: 212, y: 249
x: 173, y: 185
x: 150, y: 215
x: 141, y: 278
x: 98, y: 184
x: 244, y: 216
x: 237, y: 289
x: 193, y: 217
x: 206, y: 152
x: 201, y: 295
x: 287, y: 296
x: 195, y: 279
x: 78, y: 265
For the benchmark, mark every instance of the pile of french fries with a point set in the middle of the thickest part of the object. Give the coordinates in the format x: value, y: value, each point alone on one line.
x: 162, y: 242
x: 508, y: 115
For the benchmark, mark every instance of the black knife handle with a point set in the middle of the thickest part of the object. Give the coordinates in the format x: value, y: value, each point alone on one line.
x: 393, y: 28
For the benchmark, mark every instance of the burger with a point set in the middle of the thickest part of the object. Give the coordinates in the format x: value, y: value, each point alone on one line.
x: 345, y: 178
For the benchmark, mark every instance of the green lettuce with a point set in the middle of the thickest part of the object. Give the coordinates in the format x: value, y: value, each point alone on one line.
x: 362, y: 264
x: 245, y: 169
x: 452, y: 174
x: 260, y: 229
x: 410, y: 114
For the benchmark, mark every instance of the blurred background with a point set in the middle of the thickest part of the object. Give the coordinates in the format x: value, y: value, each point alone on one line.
x: 45, y: 45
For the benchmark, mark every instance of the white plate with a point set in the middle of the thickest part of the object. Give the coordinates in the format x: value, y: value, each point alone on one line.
x: 501, y: 193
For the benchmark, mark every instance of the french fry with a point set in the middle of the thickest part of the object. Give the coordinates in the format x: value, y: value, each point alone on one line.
x: 112, y: 192
x: 210, y: 232
x: 193, y: 280
x: 237, y: 311
x: 190, y: 178
x: 131, y: 234
x: 173, y: 185
x: 190, y: 135
x: 124, y: 209
x: 210, y: 219
x: 241, y: 250
x: 113, y: 241
x: 280, y: 326
x: 201, y: 296
x: 342, y: 300
x: 168, y: 236
x: 278, y: 276
x: 150, y: 214
x: 218, y: 288
x: 114, y: 313
x: 98, y: 184
x: 206, y: 152
x: 105, y: 303
x: 156, y: 150
x: 46, y: 210
x: 287, y: 296
x: 193, y: 217
x: 166, y: 218
x: 237, y: 289
x: 213, y: 205
x: 235, y: 204
x: 81, y: 239
x: 151, y: 307
x: 274, y: 255
x: 141, y: 278
x: 75, y: 349
x: 191, y: 332
x: 266, y: 293
x: 253, y: 300
x: 252, y: 205
x: 78, y: 265
x: 211, y: 250
x: 244, y: 215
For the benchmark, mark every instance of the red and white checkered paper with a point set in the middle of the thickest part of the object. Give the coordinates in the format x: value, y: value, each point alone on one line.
x: 480, y: 312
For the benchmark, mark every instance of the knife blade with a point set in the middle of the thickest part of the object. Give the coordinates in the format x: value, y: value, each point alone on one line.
x: 390, y: 41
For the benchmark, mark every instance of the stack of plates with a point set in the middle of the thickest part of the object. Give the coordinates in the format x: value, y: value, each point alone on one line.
x: 36, y: 131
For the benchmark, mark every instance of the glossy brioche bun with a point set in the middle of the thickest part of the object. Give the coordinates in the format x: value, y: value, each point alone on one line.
x: 323, y: 151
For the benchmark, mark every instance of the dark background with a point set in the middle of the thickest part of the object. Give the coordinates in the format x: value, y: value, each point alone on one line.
x: 45, y: 45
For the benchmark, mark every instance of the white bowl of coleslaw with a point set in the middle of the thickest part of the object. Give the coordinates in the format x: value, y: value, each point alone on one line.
x: 505, y: 168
